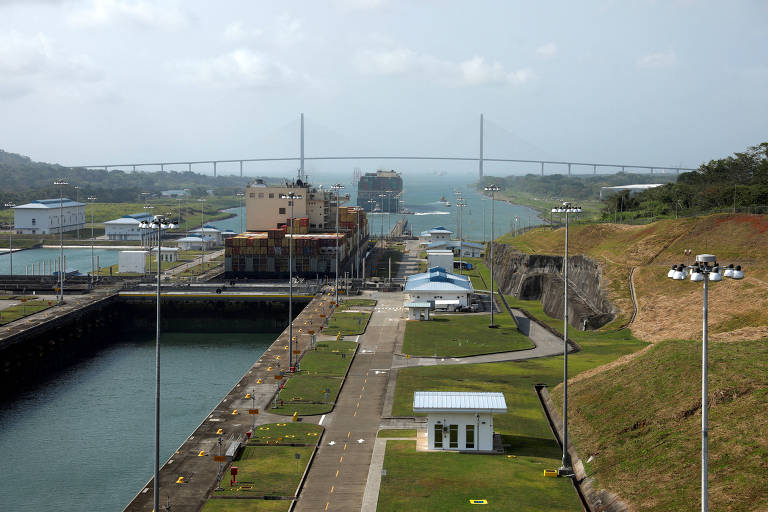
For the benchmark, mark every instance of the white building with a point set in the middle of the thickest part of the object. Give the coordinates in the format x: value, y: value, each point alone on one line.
x: 211, y: 233
x: 168, y: 254
x: 127, y: 227
x: 47, y: 216
x: 459, y: 420
x: 195, y: 243
x: 132, y: 261
x: 468, y: 249
x: 439, y: 258
x: 449, y: 292
x: 434, y: 235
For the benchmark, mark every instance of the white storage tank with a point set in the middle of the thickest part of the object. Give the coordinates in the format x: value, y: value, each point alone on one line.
x: 132, y: 261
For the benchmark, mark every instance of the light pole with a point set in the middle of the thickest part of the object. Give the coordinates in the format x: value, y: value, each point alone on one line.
x: 492, y: 189
x: 460, y: 205
x: 291, y: 196
x: 337, y: 187
x: 705, y: 269
x: 159, y: 223
x: 77, y: 200
x: 381, y: 212
x: 10, y: 237
x: 241, y: 196
x: 567, y: 468
x: 202, y: 235
x: 93, y: 264
x: 61, y: 182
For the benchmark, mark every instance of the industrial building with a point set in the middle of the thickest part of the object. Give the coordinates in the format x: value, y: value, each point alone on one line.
x: 128, y: 227
x: 48, y: 216
x: 448, y: 292
x: 380, y: 191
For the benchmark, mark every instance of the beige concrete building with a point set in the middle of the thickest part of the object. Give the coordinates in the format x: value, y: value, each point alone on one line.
x: 266, y: 208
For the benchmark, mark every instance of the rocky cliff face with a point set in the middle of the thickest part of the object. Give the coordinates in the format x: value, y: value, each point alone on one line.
x: 540, y: 277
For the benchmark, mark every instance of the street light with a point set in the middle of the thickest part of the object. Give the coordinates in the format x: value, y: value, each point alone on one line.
x: 93, y: 264
x: 291, y: 196
x: 704, y: 270
x: 460, y: 205
x: 202, y: 235
x: 567, y: 468
x: 241, y: 196
x: 381, y: 212
x: 61, y: 182
x: 158, y: 222
x: 10, y: 237
x: 492, y: 189
x: 337, y: 187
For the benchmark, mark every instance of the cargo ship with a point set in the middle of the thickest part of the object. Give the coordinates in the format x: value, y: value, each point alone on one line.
x: 380, y: 189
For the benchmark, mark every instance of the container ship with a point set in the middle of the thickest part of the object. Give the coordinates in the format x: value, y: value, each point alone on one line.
x: 380, y: 189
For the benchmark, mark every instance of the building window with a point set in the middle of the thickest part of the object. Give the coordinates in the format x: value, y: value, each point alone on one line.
x: 252, y: 195
x: 470, y: 436
x: 271, y: 196
x: 438, y: 435
x: 34, y: 222
x: 281, y: 211
x: 453, y: 436
x: 261, y: 195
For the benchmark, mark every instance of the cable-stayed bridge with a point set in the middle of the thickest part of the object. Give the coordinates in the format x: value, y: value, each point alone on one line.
x: 551, y: 166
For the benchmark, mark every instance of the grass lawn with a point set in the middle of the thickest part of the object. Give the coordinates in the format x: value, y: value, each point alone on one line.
x: 348, y: 323
x: 320, y: 370
x: 397, y: 432
x: 417, y: 481
x: 267, y: 471
x: 289, y: 432
x: 463, y: 335
x: 524, y: 429
x: 246, y: 505
x: 31, y: 307
x: 362, y: 303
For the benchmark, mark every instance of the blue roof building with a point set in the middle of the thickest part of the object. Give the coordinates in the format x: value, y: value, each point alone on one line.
x: 447, y: 291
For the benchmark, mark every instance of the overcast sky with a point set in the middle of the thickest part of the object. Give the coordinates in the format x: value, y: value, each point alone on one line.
x: 647, y: 82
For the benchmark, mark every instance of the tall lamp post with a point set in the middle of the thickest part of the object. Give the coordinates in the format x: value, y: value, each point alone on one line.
x: 291, y: 196
x: 241, y: 196
x: 61, y: 182
x: 91, y: 199
x: 704, y: 270
x: 337, y: 187
x: 10, y: 238
x: 202, y: 235
x: 492, y: 189
x: 566, y: 469
x: 460, y: 205
x: 158, y: 223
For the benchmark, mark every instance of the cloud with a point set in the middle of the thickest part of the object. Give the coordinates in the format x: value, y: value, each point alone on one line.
x: 657, y: 60
x: 285, y: 31
x: 137, y: 12
x: 240, y: 68
x: 547, y: 50
x: 471, y: 72
x: 362, y: 4
x: 30, y: 63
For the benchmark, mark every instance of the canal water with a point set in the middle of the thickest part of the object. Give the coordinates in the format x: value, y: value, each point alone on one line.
x: 84, y: 440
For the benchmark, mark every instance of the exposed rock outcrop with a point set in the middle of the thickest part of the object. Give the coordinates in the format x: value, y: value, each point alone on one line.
x: 540, y: 277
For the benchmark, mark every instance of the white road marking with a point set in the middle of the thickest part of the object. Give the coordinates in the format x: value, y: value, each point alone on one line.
x: 322, y: 418
x: 360, y: 441
x: 332, y: 443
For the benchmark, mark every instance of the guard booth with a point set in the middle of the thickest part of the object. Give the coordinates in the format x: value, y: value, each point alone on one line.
x: 461, y: 421
x: 419, y: 310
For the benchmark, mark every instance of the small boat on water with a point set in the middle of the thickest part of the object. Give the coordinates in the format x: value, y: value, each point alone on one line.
x: 447, y: 204
x: 443, y: 200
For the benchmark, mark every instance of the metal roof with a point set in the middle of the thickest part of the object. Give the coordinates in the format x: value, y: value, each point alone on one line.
x: 436, y: 279
x: 49, y: 204
x: 458, y: 401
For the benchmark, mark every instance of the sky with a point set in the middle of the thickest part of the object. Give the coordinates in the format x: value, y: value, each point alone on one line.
x: 667, y: 83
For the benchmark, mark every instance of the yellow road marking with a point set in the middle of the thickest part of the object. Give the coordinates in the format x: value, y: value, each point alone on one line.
x: 345, y: 446
x: 337, y: 473
x: 341, y: 459
x: 349, y: 434
x: 355, y: 414
x: 331, y: 489
x: 326, y: 505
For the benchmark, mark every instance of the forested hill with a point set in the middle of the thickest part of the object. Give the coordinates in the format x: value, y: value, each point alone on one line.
x: 22, y: 180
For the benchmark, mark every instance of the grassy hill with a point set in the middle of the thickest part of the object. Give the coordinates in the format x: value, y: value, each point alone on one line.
x: 639, y: 418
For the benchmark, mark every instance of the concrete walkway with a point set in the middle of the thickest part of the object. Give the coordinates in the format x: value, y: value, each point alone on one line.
x: 338, y: 476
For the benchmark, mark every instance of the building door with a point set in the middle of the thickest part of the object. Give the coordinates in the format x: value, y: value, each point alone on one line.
x: 453, y: 436
x: 470, y: 437
x: 438, y: 435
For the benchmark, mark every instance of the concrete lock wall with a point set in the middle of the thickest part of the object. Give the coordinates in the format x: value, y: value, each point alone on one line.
x: 540, y: 277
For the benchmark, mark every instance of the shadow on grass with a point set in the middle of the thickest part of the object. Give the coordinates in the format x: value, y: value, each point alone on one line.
x: 530, y: 446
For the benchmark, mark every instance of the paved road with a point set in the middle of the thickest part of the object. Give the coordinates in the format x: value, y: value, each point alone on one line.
x: 337, y: 478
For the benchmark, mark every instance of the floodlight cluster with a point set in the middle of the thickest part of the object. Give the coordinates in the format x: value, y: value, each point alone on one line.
x: 703, y: 270
x: 158, y: 222
x: 567, y: 208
